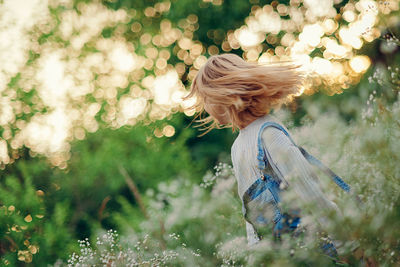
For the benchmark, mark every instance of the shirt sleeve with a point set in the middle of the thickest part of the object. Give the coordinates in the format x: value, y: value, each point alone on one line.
x: 251, y: 235
x: 296, y: 171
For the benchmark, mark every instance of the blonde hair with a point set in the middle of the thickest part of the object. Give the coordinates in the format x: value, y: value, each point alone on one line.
x: 235, y: 92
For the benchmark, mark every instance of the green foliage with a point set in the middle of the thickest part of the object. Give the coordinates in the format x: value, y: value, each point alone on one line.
x: 64, y: 205
x: 21, y: 214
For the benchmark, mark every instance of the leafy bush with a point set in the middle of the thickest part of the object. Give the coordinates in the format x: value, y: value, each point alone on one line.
x: 20, y: 215
x: 43, y: 210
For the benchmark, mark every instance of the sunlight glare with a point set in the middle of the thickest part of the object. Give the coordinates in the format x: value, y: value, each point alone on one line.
x: 321, y: 66
x: 319, y: 8
x: 360, y: 63
x: 4, y: 158
x: 132, y: 107
x: 55, y: 83
x: 311, y: 34
x: 164, y: 86
x: 122, y: 59
x: 247, y: 37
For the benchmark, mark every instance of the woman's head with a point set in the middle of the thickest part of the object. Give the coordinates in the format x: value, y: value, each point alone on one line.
x: 235, y: 92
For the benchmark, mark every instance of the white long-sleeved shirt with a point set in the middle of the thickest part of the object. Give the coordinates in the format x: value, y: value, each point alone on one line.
x: 295, y: 168
x: 287, y: 159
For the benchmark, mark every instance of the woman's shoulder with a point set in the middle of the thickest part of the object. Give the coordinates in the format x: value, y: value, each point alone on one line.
x: 261, y: 123
x: 279, y: 125
x: 235, y: 144
x: 278, y: 131
x: 254, y: 129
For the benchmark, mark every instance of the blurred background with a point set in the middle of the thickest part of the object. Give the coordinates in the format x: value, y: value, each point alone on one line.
x: 92, y: 125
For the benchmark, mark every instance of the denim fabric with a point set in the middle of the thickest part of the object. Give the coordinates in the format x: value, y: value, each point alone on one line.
x: 262, y: 210
x: 260, y: 202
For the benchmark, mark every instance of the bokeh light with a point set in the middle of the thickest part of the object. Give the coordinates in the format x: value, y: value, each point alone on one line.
x: 67, y: 67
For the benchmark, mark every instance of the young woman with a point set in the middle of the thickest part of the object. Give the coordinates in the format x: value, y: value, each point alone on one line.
x: 267, y: 163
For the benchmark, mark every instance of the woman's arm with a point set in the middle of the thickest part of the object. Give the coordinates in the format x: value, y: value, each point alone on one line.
x: 296, y: 170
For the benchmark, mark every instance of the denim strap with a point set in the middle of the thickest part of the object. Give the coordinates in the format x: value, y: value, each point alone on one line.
x: 262, y: 157
x: 266, y: 183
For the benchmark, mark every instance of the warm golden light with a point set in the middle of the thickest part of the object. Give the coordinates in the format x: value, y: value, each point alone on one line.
x: 360, y: 63
x: 322, y: 66
x: 4, y: 158
x: 164, y: 86
x: 311, y: 34
x: 131, y: 108
x: 248, y: 38
x: 168, y: 130
x: 91, y: 54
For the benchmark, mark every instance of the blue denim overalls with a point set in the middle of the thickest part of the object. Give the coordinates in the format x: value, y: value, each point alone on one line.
x: 260, y: 200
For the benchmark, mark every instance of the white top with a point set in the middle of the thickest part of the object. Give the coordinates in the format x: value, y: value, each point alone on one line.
x: 294, y: 167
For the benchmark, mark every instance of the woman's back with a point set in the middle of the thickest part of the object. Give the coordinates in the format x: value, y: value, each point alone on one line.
x: 260, y: 151
x: 244, y: 153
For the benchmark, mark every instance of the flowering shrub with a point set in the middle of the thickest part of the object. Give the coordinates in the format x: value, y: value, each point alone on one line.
x: 211, y: 227
x: 109, y: 252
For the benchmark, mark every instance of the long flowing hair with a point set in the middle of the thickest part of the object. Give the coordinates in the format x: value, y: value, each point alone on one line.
x: 235, y: 92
